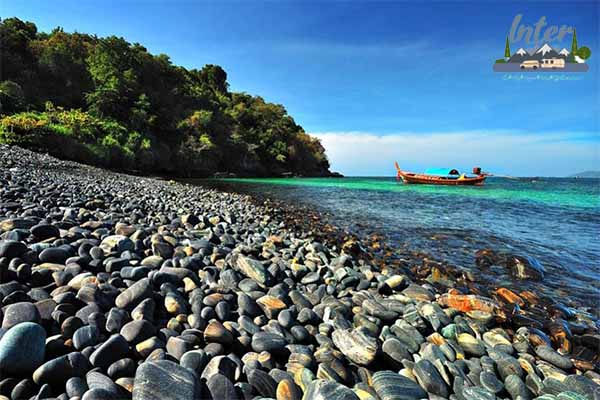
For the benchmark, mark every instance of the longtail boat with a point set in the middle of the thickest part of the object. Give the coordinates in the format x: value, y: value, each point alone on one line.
x: 442, y: 176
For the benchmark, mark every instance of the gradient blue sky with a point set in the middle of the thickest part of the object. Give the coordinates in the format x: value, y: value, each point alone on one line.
x: 378, y: 81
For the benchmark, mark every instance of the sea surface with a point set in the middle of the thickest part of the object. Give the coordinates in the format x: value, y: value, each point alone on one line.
x: 556, y: 220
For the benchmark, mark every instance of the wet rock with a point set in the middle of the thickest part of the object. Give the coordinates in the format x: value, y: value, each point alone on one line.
x: 22, y: 348
x: 116, y: 319
x: 220, y: 387
x: 490, y: 382
x: 271, y: 342
x: 195, y: 360
x: 145, y: 348
x: 506, y: 365
x: 12, y: 249
x: 76, y: 387
x: 467, y: 303
x: 328, y: 390
x: 177, y: 347
x: 395, y: 350
x: 133, y: 295
x: 253, y: 269
x: 57, y: 371
x: 55, y: 255
x: 471, y: 345
x: 222, y: 365
x: 356, y: 344
x: 568, y: 395
x: 525, y: 267
x: 582, y: 385
x: 271, y: 306
x: 164, y: 380
x: 498, y: 341
x: 138, y: 331
x: 247, y: 306
x: 262, y: 383
x: 86, y: 336
x: 510, y: 297
x: 97, y: 380
x: 24, y: 389
x: 122, y: 368
x: 516, y: 388
x: 116, y: 243
x: 429, y: 378
x: 477, y: 393
x: 392, y: 386
x: 115, y: 348
x: 215, y: 332
x: 288, y: 390
x: 20, y: 312
x: 394, y: 283
x: 417, y: 292
x: 98, y: 394
x: 547, y: 353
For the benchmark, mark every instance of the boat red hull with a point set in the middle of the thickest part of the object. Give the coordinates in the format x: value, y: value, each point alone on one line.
x: 421, y: 179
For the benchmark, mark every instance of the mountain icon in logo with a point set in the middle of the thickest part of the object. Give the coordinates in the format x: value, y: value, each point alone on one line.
x: 545, y: 59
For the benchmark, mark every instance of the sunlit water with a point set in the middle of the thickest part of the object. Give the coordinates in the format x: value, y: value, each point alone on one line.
x: 553, y: 219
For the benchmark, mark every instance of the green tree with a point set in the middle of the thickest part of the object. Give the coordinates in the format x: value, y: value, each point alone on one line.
x: 12, y: 97
x: 584, y: 52
x: 111, y: 66
x: 574, y: 42
x: 16, y: 60
x: 507, y: 49
x: 111, y: 102
x: 61, y: 59
x: 215, y: 77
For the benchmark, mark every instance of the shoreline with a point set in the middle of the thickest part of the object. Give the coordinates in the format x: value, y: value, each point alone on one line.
x: 147, y: 282
x: 383, y: 248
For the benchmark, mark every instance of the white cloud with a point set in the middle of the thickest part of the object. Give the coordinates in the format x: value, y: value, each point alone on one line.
x: 511, y: 153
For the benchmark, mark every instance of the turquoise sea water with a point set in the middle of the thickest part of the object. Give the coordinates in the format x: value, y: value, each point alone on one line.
x: 552, y: 191
x: 556, y: 220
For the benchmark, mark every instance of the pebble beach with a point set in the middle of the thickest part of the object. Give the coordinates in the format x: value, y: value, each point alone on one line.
x: 115, y: 286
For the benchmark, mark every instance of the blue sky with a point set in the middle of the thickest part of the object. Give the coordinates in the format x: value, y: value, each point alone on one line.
x: 379, y: 81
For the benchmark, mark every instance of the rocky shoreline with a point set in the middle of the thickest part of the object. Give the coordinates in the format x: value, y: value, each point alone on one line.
x: 114, y: 286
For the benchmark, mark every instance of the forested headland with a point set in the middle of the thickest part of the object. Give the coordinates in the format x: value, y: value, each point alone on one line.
x: 108, y: 102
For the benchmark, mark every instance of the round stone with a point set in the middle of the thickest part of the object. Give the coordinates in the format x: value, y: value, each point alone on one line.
x: 57, y: 371
x: 117, y: 243
x: 85, y: 336
x: 54, y: 255
x: 133, y: 295
x: 22, y: 348
x: 115, y: 348
x: 11, y: 249
x: 165, y: 380
x: 20, y: 312
x: 44, y: 231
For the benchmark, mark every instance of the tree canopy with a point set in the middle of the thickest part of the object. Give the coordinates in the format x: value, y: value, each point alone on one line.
x: 110, y: 102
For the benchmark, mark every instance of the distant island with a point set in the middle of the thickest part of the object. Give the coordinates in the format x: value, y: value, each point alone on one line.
x: 586, y: 174
x: 108, y: 102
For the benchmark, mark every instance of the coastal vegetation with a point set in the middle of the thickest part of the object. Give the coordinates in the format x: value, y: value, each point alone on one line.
x: 108, y: 102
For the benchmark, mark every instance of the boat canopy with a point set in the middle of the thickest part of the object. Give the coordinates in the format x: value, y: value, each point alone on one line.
x: 442, y: 171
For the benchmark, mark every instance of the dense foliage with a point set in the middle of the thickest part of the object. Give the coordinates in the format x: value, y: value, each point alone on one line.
x: 109, y: 102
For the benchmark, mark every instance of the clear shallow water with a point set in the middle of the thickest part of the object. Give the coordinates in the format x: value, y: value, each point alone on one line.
x: 556, y: 220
